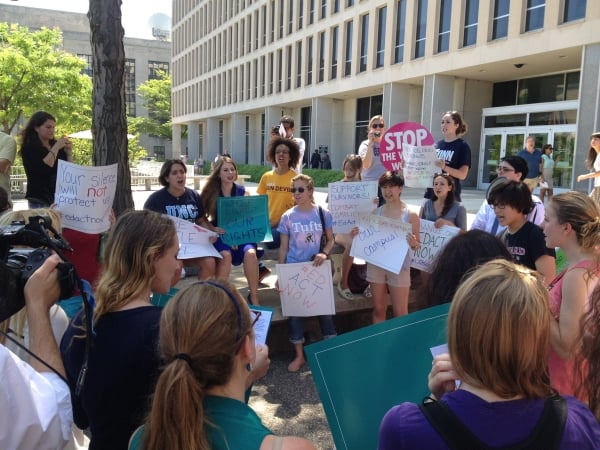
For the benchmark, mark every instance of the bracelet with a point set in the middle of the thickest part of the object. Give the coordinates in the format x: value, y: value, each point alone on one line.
x: 325, y: 253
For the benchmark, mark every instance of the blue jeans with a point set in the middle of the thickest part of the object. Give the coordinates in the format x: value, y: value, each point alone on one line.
x: 276, y: 242
x: 297, y: 328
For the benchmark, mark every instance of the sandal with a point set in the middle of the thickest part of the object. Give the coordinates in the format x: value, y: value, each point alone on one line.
x: 367, y: 293
x: 345, y: 292
x: 296, y: 365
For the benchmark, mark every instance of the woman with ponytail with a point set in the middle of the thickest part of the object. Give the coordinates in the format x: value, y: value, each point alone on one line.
x: 206, y: 342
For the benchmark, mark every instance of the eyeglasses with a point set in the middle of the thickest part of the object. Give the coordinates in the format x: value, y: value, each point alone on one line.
x: 378, y: 125
x: 257, y: 315
x: 441, y: 174
x: 300, y: 189
x: 282, y: 152
x: 498, y: 206
x: 501, y: 169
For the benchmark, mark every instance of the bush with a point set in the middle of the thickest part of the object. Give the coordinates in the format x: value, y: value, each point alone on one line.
x: 321, y: 177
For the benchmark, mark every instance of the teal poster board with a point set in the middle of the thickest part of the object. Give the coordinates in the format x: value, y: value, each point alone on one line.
x: 244, y: 219
x: 360, y: 375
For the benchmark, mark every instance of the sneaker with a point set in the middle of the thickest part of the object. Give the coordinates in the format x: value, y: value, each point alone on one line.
x: 263, y: 272
x: 345, y: 293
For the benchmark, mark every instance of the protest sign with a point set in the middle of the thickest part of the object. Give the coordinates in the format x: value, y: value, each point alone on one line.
x: 392, y: 142
x: 245, y: 219
x: 194, y: 240
x: 348, y: 198
x: 381, y: 241
x: 432, y: 241
x: 262, y: 324
x: 84, y: 196
x: 360, y: 375
x: 419, y: 165
x: 305, y: 290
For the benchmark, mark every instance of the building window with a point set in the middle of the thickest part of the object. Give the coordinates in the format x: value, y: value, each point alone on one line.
x: 272, y: 27
x: 263, y: 26
x: 271, y: 72
x: 298, y: 64
x: 334, y: 52
x: 256, y: 30
x: 336, y: 6
x: 364, y: 42
x: 279, y: 69
x: 323, y: 9
x: 221, y: 135
x: 281, y: 2
x: 400, y: 29
x: 321, y: 56
x: 574, y: 10
x: 470, y: 30
x: 263, y: 63
x: 421, y: 28
x: 500, y: 21
x: 154, y: 67
x: 291, y: 17
x: 305, y: 129
x: 309, y: 60
x: 311, y: 12
x: 348, y: 55
x: 300, y: 14
x: 159, y: 151
x: 130, y: 87
x: 366, y: 107
x: 534, y: 16
x: 381, y: 26
x: 288, y: 84
x: 88, y: 69
x: 247, y: 140
x: 349, y: 3
x: 443, y: 43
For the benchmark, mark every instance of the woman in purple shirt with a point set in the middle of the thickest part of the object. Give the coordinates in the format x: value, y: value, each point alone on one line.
x: 499, y: 352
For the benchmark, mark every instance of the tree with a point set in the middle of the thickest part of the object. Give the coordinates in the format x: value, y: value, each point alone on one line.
x: 109, y: 126
x: 36, y: 74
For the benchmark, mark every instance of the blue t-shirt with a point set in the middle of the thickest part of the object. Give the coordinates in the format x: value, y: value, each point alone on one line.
x: 456, y: 154
x: 534, y: 160
x: 188, y: 206
x: 304, y: 230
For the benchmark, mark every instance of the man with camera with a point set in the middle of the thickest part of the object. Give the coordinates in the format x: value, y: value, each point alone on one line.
x: 36, y: 404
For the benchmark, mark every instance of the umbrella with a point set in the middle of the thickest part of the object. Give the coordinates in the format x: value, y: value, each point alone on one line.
x: 87, y: 134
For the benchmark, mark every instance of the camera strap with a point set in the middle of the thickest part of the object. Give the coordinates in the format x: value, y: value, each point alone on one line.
x: 89, y: 303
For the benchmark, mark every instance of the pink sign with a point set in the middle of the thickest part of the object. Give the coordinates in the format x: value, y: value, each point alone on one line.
x: 390, y: 148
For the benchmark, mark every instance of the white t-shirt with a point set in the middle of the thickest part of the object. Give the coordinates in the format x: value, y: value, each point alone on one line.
x: 597, y: 169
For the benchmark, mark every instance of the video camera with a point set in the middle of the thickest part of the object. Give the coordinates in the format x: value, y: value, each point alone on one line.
x: 18, y: 264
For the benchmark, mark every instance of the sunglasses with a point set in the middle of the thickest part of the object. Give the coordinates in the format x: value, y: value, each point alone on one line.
x: 300, y: 189
x: 378, y: 125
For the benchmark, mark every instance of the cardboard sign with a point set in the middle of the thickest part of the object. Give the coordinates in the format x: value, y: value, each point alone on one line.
x: 432, y: 241
x: 84, y: 196
x: 245, y: 219
x: 381, y: 241
x: 419, y: 165
x: 360, y: 375
x: 348, y: 198
x: 194, y: 241
x: 393, y: 140
x: 261, y: 326
x: 306, y: 290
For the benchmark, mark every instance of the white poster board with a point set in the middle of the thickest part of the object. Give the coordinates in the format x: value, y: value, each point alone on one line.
x: 348, y: 198
x: 419, y: 165
x: 381, y: 241
x: 432, y: 241
x: 261, y: 327
x: 194, y: 241
x: 305, y: 290
x: 84, y: 196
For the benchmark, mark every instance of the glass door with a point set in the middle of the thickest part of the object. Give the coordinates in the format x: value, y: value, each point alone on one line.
x: 564, y: 147
x: 498, y: 143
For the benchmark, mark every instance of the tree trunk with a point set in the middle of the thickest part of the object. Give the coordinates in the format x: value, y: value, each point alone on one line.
x: 109, y: 125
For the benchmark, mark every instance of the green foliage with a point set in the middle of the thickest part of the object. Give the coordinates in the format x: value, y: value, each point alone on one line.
x: 321, y: 177
x: 36, y: 74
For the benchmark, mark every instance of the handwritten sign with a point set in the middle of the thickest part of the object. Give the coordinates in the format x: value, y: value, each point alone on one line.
x: 419, y: 165
x: 306, y: 290
x: 84, y: 196
x: 381, y: 241
x: 244, y: 219
x: 194, y: 241
x: 261, y: 326
x: 432, y: 241
x: 394, y: 139
x: 348, y: 198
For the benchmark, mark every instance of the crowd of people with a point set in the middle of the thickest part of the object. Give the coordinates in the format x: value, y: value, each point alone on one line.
x: 523, y: 363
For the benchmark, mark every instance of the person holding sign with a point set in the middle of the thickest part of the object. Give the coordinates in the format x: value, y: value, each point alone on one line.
x: 221, y: 183
x: 40, y: 152
x: 442, y: 208
x: 275, y: 184
x: 177, y: 200
x: 301, y: 229
x: 368, y: 151
x: 454, y: 154
x: 382, y: 280
x: 207, y: 343
x: 498, y: 340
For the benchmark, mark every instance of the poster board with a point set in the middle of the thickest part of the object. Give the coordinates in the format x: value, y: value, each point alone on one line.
x: 432, y: 241
x: 348, y: 198
x: 194, y: 240
x: 360, y: 375
x: 84, y: 196
x: 245, y: 219
x: 305, y: 290
x: 393, y: 141
x: 419, y: 165
x: 262, y: 325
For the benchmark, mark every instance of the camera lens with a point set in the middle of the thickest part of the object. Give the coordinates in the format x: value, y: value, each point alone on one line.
x: 377, y: 133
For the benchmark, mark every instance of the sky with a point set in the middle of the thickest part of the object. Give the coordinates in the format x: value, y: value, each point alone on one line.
x: 135, y: 13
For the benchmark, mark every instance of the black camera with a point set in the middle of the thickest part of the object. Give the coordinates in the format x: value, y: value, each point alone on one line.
x: 34, y: 244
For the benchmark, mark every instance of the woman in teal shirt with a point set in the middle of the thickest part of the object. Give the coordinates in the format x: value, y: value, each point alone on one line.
x: 207, y: 344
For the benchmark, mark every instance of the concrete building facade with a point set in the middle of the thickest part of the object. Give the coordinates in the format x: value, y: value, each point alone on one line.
x: 510, y: 67
x: 143, y: 57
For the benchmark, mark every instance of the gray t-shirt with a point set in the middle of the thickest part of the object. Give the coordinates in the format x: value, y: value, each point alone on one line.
x: 377, y: 168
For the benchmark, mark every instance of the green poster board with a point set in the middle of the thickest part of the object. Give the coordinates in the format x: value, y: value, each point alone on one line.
x: 360, y: 375
x: 245, y: 219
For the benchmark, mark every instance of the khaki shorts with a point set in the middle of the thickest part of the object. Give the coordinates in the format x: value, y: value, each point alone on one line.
x: 376, y: 274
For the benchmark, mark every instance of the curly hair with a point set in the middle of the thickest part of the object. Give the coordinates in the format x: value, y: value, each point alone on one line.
x: 290, y: 144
